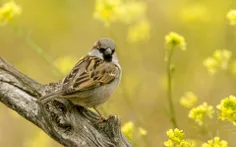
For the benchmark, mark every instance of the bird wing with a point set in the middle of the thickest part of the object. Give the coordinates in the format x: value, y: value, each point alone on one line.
x: 89, y: 73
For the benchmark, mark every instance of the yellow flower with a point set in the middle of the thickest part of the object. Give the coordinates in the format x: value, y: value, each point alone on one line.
x: 128, y: 129
x: 219, y: 60
x: 139, y: 32
x: 188, y: 100
x: 223, y: 57
x: 65, y: 64
x: 231, y: 16
x: 199, y: 113
x: 8, y: 11
x: 142, y: 131
x: 41, y: 139
x: 175, y: 39
x: 176, y: 139
x: 227, y: 107
x: 216, y: 143
x: 107, y: 10
x: 211, y: 64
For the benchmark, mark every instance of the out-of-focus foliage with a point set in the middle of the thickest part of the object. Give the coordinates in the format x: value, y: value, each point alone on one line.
x: 133, y: 132
x: 227, y: 108
x: 128, y: 129
x: 142, y: 131
x: 107, y: 10
x: 219, y: 61
x: 232, y: 17
x: 193, y: 143
x: 132, y: 13
x: 8, y: 11
x: 194, y: 13
x: 139, y: 31
x: 199, y: 113
x: 233, y: 67
x: 188, y: 100
x: 127, y: 12
x: 216, y: 142
x: 66, y: 30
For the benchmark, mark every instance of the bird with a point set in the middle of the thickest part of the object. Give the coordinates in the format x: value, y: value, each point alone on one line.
x: 93, y: 79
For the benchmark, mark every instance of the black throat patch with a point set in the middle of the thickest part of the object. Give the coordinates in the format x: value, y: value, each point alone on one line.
x: 107, y: 58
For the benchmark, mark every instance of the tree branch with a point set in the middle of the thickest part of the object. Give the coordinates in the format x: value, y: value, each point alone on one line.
x: 70, y: 125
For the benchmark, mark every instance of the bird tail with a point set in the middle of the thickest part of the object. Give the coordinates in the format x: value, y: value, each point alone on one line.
x: 49, y: 97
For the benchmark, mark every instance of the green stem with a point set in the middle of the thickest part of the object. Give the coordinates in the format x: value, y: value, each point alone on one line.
x: 169, y: 92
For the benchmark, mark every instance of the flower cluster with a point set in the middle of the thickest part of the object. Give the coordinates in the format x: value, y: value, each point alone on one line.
x: 199, y: 113
x: 227, y: 107
x: 176, y: 139
x: 188, y: 100
x: 175, y: 39
x: 231, y: 16
x: 8, y: 11
x: 219, y: 60
x: 216, y: 142
x: 107, y: 10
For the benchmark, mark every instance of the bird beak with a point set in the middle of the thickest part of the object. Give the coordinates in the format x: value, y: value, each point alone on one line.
x: 108, y: 52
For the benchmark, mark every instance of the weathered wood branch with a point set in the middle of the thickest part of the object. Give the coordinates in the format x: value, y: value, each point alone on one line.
x: 70, y: 125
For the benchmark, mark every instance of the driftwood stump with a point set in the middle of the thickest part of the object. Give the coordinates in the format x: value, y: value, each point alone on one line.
x: 70, y: 125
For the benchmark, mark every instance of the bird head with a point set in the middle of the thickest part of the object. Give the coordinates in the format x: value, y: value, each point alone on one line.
x: 104, y: 48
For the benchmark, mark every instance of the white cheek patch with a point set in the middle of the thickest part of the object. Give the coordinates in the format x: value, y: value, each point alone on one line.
x: 96, y: 53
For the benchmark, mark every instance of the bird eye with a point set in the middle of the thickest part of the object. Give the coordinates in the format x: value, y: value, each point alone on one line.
x: 102, y: 49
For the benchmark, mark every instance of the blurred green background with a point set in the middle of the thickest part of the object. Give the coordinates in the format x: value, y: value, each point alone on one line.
x: 67, y: 29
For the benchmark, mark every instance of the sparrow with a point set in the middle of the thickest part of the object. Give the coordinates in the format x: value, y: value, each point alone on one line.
x: 93, y: 79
